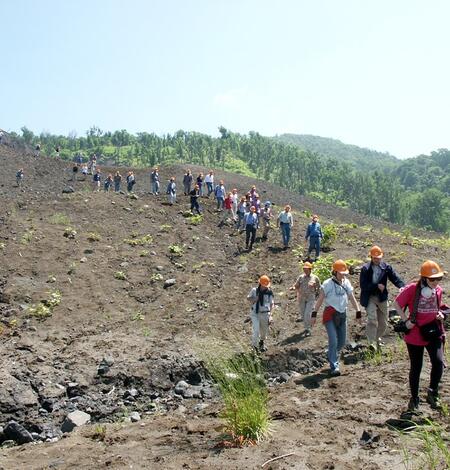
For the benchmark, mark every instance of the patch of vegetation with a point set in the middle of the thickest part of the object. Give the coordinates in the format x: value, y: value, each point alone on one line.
x: 94, y: 237
x: 59, y: 219
x: 142, y: 241
x: 426, y: 446
x: 176, y: 250
x: 197, y: 267
x: 165, y: 228
x: 330, y: 234
x: 240, y: 378
x: 144, y: 253
x: 120, y: 275
x: 298, y: 251
x: 378, y: 356
x: 44, y: 309
x: 138, y: 316
x: 322, y: 267
x: 69, y: 232
x: 27, y: 237
x: 51, y: 279
x: 98, y: 432
x: 352, y: 264
x: 195, y: 219
x: 72, y: 268
x: 155, y: 277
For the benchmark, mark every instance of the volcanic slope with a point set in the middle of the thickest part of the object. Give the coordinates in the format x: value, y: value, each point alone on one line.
x: 119, y: 341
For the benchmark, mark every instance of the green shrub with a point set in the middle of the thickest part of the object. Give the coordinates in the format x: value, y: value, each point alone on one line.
x: 195, y: 219
x: 330, y: 234
x: 93, y: 237
x: 142, y: 241
x: 165, y: 228
x: 45, y: 308
x: 240, y: 378
x: 120, y: 275
x: 322, y: 267
x: 176, y: 250
x: 59, y: 219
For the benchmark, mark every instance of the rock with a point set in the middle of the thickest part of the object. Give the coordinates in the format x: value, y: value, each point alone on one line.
x: 131, y: 393
x: 200, y: 407
x: 105, y: 365
x: 159, y: 268
x: 133, y: 196
x: 68, y: 190
x: 75, y: 419
x: 128, y: 209
x: 125, y: 264
x: 8, y: 443
x: 83, y: 259
x: 283, y: 377
x: 169, y: 283
x: 14, y: 394
x: 17, y: 433
x: 243, y: 269
x: 135, y: 417
x: 88, y: 251
x: 5, y: 298
x: 194, y: 377
x: 181, y: 387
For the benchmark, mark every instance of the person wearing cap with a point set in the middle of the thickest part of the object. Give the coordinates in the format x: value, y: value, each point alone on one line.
x: 307, y: 286
x: 374, y: 294
x: 261, y: 299
x: 424, y: 330
x: 251, y: 225
x: 154, y: 178
x: 336, y: 292
x: 285, y: 221
x: 315, y: 235
x: 266, y: 217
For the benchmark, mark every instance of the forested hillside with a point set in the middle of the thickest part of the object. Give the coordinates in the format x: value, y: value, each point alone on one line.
x: 390, y: 195
x: 361, y: 158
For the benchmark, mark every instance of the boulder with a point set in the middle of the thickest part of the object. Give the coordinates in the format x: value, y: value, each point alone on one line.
x: 75, y: 419
x: 16, y: 432
x: 169, y: 283
x: 135, y: 417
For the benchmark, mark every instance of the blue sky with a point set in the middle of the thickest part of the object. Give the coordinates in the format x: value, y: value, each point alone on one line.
x: 374, y: 74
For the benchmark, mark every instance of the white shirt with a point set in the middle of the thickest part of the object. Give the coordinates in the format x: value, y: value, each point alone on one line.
x: 336, y: 295
x: 209, y: 178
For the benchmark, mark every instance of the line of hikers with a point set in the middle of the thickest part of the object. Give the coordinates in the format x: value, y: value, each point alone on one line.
x: 422, y: 327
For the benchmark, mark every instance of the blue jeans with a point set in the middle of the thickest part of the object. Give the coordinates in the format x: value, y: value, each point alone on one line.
x: 220, y: 202
x: 337, y: 337
x: 155, y: 187
x: 314, y: 244
x: 285, y: 233
x: 210, y: 188
x: 116, y: 187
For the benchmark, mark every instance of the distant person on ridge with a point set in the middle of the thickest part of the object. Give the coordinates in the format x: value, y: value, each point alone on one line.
x: 74, y: 172
x: 262, y: 301
x: 241, y: 212
x: 96, y: 180
x: 187, y: 182
x: 84, y: 171
x: 209, y: 180
x: 228, y: 206
x: 171, y: 191
x: 424, y: 330
x: 251, y: 225
x: 266, y: 217
x: 307, y: 286
x: 374, y: 295
x: 154, y: 178
x: 57, y: 150
x: 336, y: 292
x: 117, y: 181
x: 235, y: 197
x: 200, y: 183
x: 108, y: 183
x: 19, y: 177
x: 37, y: 151
x: 195, y: 194
x: 131, y: 181
x: 315, y: 235
x: 219, y: 194
x: 285, y: 221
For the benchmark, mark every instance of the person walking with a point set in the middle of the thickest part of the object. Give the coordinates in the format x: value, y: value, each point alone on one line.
x: 131, y: 181
x: 228, y: 206
x: 235, y: 198
x: 171, y: 191
x: 187, y: 182
x: 96, y: 180
x: 209, y: 180
x: 251, y: 225
x: 336, y: 292
x: 307, y: 286
x: 285, y: 221
x: 154, y: 178
x: 266, y: 217
x: 240, y: 221
x: 315, y: 235
x: 374, y: 294
x: 108, y: 183
x: 19, y: 177
x: 219, y: 194
x: 424, y: 330
x: 195, y: 194
x: 262, y: 301
x: 117, y: 181
x: 200, y: 184
x: 74, y: 172
x: 37, y: 151
x: 84, y: 171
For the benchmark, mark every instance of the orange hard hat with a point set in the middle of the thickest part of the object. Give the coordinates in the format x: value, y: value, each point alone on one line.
x: 307, y: 265
x: 340, y: 267
x: 376, y: 252
x: 264, y: 281
x: 431, y: 270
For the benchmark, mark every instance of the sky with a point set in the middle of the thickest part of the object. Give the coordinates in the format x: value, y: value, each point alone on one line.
x: 373, y: 74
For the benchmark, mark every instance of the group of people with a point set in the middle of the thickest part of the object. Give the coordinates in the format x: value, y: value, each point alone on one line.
x: 422, y: 326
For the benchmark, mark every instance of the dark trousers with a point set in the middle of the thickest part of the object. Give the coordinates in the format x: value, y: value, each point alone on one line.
x: 250, y: 230
x: 195, y: 205
x: 435, y: 351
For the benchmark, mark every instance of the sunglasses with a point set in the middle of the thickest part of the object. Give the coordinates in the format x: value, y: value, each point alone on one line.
x: 435, y: 279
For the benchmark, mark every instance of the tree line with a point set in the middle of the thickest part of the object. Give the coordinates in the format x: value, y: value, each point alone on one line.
x: 414, y: 193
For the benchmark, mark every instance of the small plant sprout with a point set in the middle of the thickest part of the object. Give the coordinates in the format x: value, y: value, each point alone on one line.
x: 142, y: 241
x: 93, y: 237
x: 138, y: 316
x: 176, y: 250
x: 156, y: 277
x: 120, y: 275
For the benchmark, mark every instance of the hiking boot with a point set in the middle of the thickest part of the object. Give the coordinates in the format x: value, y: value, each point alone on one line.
x: 434, y: 400
x: 335, y: 372
x: 307, y: 333
x: 262, y: 346
x: 413, y: 404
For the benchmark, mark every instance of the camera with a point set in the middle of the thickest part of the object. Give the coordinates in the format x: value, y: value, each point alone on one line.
x: 400, y: 327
